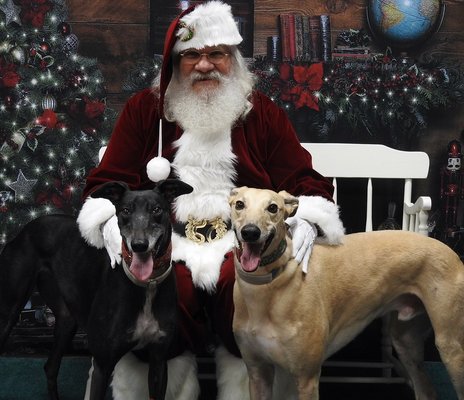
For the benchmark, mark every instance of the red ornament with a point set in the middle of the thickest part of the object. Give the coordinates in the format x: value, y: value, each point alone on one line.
x: 45, y: 48
x: 9, y: 101
x: 77, y: 80
x: 48, y: 119
x: 64, y: 28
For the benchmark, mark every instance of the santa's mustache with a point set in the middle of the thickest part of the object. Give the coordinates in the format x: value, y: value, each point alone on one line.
x: 203, y: 76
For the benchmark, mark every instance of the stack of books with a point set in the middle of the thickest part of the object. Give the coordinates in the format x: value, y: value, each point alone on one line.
x: 351, y: 53
x: 305, y: 38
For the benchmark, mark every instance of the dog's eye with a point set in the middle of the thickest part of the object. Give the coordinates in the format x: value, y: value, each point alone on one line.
x: 156, y: 211
x: 272, y: 208
x: 125, y: 211
x: 239, y: 205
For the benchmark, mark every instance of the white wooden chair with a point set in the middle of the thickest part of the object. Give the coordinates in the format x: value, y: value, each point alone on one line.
x: 368, y: 162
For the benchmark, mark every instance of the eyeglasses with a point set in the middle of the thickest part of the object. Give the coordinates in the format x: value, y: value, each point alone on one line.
x: 214, y: 57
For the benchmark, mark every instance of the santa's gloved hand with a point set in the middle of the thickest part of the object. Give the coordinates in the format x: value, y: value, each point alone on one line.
x: 113, y: 240
x: 98, y: 225
x: 303, y: 234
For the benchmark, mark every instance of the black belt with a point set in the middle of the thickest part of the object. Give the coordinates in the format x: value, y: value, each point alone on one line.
x: 204, y: 230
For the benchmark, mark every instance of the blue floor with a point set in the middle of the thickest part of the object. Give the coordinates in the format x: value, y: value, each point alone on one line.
x: 22, y: 378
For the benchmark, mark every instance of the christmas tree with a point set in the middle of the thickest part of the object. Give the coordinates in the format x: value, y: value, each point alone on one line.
x: 53, y: 114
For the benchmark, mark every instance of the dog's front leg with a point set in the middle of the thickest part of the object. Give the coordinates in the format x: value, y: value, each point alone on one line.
x: 157, y: 377
x: 261, y: 378
x: 100, y: 380
x: 308, y: 387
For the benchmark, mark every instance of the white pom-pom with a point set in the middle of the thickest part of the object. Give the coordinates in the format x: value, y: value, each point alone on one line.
x: 158, y: 169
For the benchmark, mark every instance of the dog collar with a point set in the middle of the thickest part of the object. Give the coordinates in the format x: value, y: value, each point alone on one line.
x: 162, y: 263
x: 250, y: 277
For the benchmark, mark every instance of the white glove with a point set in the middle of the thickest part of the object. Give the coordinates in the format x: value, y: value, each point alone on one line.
x: 303, y: 234
x: 113, y: 240
x: 98, y: 225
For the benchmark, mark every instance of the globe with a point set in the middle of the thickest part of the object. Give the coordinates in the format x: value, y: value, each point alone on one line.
x: 404, y: 23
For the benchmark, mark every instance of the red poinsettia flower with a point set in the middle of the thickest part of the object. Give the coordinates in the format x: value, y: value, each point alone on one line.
x: 59, y: 195
x: 308, y: 79
x: 33, y: 12
x: 9, y: 78
x: 88, y: 112
x: 93, y: 108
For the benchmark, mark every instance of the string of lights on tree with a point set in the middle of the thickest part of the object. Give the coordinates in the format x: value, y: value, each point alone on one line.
x: 53, y: 116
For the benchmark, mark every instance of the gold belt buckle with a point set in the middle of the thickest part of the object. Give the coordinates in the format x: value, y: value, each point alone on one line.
x: 218, y: 226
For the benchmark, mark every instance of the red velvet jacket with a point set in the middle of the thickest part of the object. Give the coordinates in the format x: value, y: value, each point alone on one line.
x: 268, y: 151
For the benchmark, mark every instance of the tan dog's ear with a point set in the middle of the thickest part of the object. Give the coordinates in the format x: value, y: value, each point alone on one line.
x: 291, y: 203
x: 234, y: 192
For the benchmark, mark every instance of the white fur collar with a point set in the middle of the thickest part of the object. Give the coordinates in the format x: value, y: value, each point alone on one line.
x: 207, y: 164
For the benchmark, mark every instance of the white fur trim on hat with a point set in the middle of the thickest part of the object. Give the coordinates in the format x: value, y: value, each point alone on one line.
x: 209, y: 24
x: 325, y: 214
x: 93, y: 214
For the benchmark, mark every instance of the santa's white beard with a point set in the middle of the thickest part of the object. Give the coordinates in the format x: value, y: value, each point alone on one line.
x: 208, y: 111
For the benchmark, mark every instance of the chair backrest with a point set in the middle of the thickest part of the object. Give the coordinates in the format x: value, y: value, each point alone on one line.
x: 369, y: 161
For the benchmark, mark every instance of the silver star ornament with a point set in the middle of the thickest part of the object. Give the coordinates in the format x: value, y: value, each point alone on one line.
x: 22, y: 187
x: 11, y: 11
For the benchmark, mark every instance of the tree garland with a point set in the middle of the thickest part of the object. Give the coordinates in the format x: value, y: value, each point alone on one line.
x: 381, y: 100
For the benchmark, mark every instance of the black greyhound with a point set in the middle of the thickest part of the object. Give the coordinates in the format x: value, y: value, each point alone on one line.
x: 118, y: 311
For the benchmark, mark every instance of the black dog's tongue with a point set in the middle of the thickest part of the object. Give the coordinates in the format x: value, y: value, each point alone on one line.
x: 251, y: 256
x: 141, y: 266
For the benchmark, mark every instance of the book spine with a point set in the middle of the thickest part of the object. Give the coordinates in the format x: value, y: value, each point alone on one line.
x: 326, y: 42
x: 284, y: 37
x: 346, y: 56
x: 315, y: 35
x: 273, y: 48
x: 306, y: 39
x: 299, y: 37
x: 291, y: 34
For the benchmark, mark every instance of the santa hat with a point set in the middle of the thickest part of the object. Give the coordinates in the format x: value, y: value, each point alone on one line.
x: 207, y: 24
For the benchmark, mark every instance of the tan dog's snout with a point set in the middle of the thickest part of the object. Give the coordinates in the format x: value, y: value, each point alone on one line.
x: 250, y: 233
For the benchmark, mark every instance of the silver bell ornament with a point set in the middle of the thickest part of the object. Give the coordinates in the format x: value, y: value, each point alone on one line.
x: 48, y: 102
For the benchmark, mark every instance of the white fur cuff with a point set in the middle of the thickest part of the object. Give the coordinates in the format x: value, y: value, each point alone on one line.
x: 93, y: 214
x: 325, y: 214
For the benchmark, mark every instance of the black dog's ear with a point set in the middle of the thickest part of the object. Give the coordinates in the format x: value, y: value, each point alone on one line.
x: 113, y: 191
x: 171, y: 188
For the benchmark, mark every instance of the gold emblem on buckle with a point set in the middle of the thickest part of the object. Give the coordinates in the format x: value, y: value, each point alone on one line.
x: 216, y: 225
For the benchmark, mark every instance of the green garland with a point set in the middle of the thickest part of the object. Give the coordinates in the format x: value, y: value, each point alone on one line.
x: 381, y: 100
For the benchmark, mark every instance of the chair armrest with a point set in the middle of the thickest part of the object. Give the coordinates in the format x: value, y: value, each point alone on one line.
x: 418, y: 215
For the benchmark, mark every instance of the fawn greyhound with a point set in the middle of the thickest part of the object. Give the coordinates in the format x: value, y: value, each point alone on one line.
x: 130, y: 307
x: 284, y: 318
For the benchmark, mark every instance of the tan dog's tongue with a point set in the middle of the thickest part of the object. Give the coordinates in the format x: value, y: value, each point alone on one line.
x: 141, y: 268
x: 251, y: 256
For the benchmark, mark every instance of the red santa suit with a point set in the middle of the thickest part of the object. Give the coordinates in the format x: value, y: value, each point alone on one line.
x: 260, y: 151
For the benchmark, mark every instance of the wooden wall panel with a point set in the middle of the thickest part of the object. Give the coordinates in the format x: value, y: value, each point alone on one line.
x: 109, y: 11
x: 116, y: 33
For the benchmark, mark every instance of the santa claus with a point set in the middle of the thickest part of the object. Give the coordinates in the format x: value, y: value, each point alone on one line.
x: 203, y: 123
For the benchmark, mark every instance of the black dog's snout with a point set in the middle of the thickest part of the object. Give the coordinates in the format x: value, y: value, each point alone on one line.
x: 250, y: 233
x: 139, y: 246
